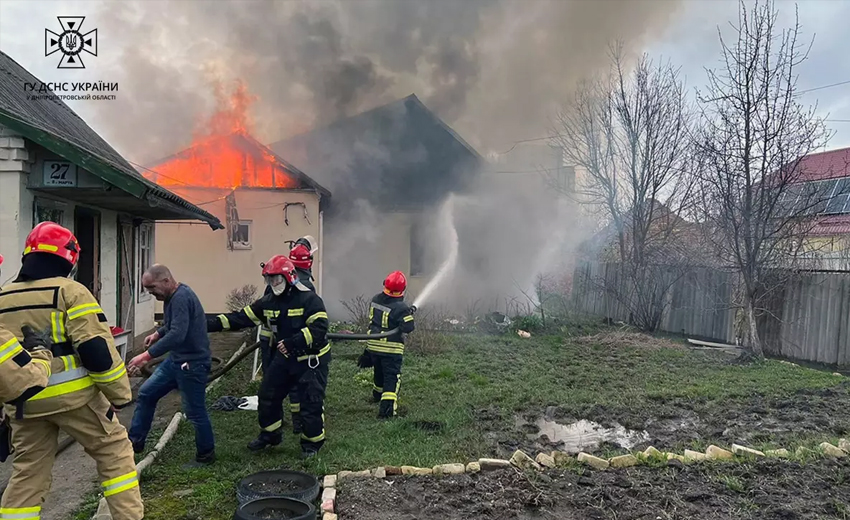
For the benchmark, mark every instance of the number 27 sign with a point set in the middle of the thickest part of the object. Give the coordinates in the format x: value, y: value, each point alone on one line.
x: 60, y: 173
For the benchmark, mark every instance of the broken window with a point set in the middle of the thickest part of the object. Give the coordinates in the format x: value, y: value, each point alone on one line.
x: 240, y: 234
x: 144, y: 252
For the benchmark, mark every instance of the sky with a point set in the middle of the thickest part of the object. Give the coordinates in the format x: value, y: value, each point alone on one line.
x: 688, y: 38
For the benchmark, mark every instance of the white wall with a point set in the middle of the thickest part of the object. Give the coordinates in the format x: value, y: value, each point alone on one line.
x: 199, y: 256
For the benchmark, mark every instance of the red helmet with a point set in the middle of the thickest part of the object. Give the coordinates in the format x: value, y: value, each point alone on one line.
x: 395, y: 284
x: 50, y: 237
x: 279, y: 265
x: 301, y: 256
x: 1, y: 259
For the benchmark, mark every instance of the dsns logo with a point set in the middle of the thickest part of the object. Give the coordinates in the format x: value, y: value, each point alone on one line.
x: 71, y: 42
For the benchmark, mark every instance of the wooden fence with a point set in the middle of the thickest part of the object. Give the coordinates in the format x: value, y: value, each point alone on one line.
x: 808, y: 319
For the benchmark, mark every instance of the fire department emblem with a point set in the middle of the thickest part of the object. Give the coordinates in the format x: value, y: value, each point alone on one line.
x: 71, y: 42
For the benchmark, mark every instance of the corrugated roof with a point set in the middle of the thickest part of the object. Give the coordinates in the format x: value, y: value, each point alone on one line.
x: 825, y: 165
x: 52, y: 124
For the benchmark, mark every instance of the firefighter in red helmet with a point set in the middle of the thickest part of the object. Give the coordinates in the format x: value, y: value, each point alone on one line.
x: 388, y: 311
x: 88, y: 380
x: 301, y: 255
x: 298, y: 322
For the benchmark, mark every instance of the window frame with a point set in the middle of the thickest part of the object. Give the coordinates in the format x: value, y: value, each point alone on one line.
x: 143, y: 252
x: 243, y: 246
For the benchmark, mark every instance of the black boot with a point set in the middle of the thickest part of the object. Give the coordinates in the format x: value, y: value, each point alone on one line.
x: 297, y: 425
x: 264, y: 440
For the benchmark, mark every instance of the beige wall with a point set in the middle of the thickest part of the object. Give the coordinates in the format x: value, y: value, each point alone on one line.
x: 199, y: 256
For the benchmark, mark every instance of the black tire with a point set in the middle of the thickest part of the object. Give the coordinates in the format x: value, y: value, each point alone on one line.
x: 148, y: 369
x: 308, y: 486
x: 302, y: 510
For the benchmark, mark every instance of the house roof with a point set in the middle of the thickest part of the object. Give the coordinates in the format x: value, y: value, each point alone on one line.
x: 49, y: 122
x: 821, y: 166
x: 397, y: 155
x: 246, y: 144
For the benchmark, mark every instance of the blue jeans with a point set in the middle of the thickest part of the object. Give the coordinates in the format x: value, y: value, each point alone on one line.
x: 192, y: 384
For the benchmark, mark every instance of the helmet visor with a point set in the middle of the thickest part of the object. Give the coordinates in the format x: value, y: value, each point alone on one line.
x: 273, y: 280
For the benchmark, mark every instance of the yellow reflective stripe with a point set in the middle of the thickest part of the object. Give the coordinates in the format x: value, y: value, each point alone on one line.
x: 70, y: 362
x: 317, y: 316
x: 57, y: 324
x: 45, y: 363
x: 225, y: 323
x: 308, y: 336
x: 386, y: 348
x: 81, y: 310
x: 20, y: 513
x: 325, y: 350
x: 63, y: 388
x: 265, y: 333
x: 408, y: 318
x: 10, y: 349
x: 385, y: 320
x: 295, y: 312
x: 389, y: 396
x: 109, y: 376
x: 274, y: 426
x: 270, y: 313
x: 253, y: 317
x: 119, y: 484
x: 377, y: 388
x: 317, y: 438
x: 295, y: 407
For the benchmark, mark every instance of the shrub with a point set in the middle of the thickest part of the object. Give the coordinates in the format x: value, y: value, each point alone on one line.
x: 358, y: 312
x: 240, y: 298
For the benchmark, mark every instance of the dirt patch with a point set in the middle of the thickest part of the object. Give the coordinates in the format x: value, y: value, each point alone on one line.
x: 676, y: 422
x: 620, y: 339
x: 766, y: 490
x: 276, y: 514
x: 277, y: 487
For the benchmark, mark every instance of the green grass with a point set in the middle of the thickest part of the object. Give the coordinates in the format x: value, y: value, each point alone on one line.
x: 447, y: 382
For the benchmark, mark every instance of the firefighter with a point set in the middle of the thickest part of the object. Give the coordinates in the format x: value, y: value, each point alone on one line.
x: 302, y: 258
x: 87, y: 384
x: 24, y: 369
x: 388, y: 311
x: 296, y: 317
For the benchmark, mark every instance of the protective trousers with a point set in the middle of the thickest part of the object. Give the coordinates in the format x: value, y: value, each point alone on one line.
x: 267, y: 354
x: 282, y: 377
x: 387, y: 381
x: 95, y: 427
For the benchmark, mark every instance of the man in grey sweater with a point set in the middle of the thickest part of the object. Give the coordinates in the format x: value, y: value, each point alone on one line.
x: 184, y: 336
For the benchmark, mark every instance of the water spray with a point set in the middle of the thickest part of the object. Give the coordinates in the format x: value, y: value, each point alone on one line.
x: 449, y: 264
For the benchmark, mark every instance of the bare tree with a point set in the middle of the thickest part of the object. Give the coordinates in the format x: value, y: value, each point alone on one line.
x: 629, y: 133
x: 753, y: 135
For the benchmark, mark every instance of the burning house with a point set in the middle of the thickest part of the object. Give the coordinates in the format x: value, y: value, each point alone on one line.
x: 262, y: 199
x: 54, y: 166
x: 390, y: 168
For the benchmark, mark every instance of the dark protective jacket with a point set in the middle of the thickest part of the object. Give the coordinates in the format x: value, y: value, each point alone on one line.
x: 297, y: 317
x: 85, y: 360
x: 305, y: 277
x: 386, y: 313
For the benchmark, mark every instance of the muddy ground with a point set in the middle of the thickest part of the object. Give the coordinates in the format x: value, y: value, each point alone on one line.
x: 764, y: 490
x: 679, y: 422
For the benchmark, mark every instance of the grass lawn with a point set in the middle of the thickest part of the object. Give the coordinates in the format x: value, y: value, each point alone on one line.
x: 452, y: 381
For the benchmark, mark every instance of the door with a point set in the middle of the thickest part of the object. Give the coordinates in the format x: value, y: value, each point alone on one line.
x: 127, y: 297
x: 87, y: 229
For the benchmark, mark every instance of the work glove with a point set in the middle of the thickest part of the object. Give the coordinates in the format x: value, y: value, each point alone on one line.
x: 365, y: 360
x: 34, y: 341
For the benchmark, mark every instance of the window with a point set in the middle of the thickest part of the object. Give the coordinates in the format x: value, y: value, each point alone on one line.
x: 145, y: 255
x: 839, y: 197
x: 48, y: 210
x: 240, y: 234
x: 417, y: 250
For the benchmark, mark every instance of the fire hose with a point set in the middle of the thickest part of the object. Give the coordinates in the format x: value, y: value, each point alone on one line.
x: 66, y: 443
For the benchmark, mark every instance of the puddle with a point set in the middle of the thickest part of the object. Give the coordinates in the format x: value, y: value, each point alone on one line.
x: 581, y: 435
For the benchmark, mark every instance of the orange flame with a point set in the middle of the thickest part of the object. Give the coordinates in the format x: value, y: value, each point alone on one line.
x: 223, y: 154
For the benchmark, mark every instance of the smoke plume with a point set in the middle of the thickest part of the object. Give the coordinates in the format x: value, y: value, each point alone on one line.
x: 494, y: 70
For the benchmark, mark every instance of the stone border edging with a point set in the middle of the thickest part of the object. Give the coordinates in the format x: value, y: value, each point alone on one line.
x: 521, y: 461
x: 103, y: 512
